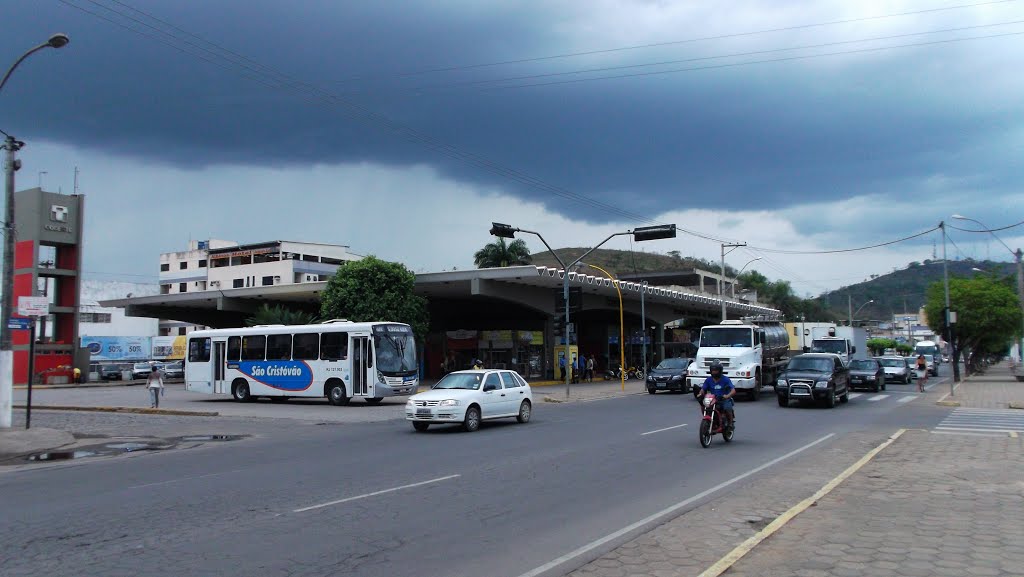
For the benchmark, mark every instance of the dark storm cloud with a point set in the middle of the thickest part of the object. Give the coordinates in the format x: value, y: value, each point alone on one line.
x: 761, y: 137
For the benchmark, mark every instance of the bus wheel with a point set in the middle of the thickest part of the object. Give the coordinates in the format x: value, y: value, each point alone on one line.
x: 335, y: 391
x: 240, y: 391
x: 374, y: 400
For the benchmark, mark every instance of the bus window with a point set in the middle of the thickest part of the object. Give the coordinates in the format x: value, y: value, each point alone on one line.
x: 334, y: 346
x: 306, y: 347
x: 199, y: 351
x: 234, y: 348
x: 253, y: 347
x: 279, y: 347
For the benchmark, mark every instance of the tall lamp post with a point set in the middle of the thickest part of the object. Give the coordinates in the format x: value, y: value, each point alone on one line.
x: 11, y: 164
x: 622, y: 326
x: 948, y: 316
x: 1020, y: 278
x: 853, y: 313
x: 721, y: 282
x: 640, y: 234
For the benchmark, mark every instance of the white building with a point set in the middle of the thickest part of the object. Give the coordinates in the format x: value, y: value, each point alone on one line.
x: 220, y: 264
x: 97, y: 321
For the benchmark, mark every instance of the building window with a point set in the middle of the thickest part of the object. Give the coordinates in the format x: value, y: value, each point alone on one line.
x: 165, y: 289
x: 183, y: 265
x: 165, y: 267
x: 238, y: 283
x: 182, y: 287
x: 181, y: 330
x: 268, y: 280
x: 95, y: 317
x: 310, y: 258
x: 202, y: 263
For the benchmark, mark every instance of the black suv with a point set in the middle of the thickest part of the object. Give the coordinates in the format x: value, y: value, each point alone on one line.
x: 669, y: 375
x: 815, y: 377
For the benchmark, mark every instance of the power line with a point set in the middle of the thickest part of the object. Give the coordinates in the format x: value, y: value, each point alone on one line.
x: 752, y: 62
x: 678, y: 42
x: 704, y: 58
x: 834, y: 251
x: 988, y: 230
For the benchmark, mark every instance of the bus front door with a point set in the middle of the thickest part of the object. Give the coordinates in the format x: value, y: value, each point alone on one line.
x: 362, y: 367
x: 218, y: 366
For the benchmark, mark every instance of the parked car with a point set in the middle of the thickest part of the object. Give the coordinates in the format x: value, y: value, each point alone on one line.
x: 110, y: 372
x: 141, y: 370
x: 933, y: 367
x: 669, y: 375
x: 471, y: 397
x: 896, y: 369
x: 173, y: 370
x: 814, y: 377
x: 868, y: 374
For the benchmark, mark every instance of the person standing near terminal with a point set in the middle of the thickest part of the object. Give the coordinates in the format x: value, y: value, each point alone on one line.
x: 155, y: 385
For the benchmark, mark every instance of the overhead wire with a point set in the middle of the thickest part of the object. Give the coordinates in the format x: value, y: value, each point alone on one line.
x: 678, y: 42
x: 988, y: 230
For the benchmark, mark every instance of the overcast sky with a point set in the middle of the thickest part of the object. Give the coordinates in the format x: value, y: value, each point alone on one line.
x: 402, y: 129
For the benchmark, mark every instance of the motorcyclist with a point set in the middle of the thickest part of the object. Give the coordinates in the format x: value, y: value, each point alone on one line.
x: 721, y: 386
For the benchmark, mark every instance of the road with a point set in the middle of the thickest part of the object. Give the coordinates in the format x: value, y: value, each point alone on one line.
x: 377, y: 499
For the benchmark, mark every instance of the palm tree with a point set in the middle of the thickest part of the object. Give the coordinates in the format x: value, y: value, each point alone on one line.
x: 498, y: 253
x: 278, y: 315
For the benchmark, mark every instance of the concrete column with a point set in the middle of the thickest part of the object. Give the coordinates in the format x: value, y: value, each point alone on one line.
x: 659, y: 332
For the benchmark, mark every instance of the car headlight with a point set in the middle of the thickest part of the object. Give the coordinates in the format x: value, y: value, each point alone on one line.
x: 821, y: 385
x: 448, y: 403
x: 677, y: 377
x: 410, y: 403
x: 650, y: 378
x: 781, y: 382
x: 380, y: 378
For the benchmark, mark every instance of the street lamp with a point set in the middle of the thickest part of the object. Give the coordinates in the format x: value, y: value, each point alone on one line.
x: 741, y: 272
x: 641, y: 233
x: 721, y: 281
x: 854, y: 313
x: 622, y: 329
x: 948, y: 316
x: 11, y: 164
x: 1020, y: 277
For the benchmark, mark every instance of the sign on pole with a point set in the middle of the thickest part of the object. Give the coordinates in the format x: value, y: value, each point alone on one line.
x: 19, y: 323
x: 33, y: 306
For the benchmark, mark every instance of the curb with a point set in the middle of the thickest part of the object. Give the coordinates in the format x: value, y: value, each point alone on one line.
x: 725, y: 563
x: 135, y: 410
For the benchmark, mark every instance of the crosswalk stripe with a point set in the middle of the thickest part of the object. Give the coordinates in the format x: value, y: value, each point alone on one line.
x: 906, y: 399
x: 878, y: 398
x: 855, y: 395
x: 983, y: 420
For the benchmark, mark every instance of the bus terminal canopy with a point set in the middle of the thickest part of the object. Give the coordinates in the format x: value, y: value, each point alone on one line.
x: 534, y: 287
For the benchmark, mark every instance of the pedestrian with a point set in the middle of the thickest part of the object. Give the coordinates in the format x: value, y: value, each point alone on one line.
x: 590, y: 368
x: 575, y: 369
x: 155, y: 385
x: 561, y: 364
x: 78, y: 376
x: 922, y: 373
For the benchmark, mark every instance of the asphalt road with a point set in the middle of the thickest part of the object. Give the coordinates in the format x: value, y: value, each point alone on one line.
x: 377, y: 499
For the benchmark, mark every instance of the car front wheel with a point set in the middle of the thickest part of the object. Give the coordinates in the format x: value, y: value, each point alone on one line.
x: 525, y: 410
x: 472, y: 420
x: 830, y: 400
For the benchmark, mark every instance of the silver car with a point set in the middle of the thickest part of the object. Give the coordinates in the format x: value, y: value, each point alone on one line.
x: 896, y: 369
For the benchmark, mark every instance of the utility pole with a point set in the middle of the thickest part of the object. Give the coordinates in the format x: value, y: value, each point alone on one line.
x: 721, y: 281
x: 11, y: 165
x: 1020, y: 301
x: 948, y: 314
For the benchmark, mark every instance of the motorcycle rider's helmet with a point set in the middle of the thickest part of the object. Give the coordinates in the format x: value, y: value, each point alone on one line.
x: 717, y: 369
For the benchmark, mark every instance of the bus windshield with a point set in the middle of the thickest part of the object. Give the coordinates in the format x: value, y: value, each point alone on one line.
x: 726, y: 337
x: 396, y: 349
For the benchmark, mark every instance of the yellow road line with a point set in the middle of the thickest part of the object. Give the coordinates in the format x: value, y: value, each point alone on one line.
x: 742, y: 549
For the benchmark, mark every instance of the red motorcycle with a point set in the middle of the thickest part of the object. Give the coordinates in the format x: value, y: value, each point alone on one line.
x: 714, y: 421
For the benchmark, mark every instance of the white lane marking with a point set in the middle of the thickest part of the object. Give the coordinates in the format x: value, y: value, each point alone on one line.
x: 375, y: 493
x: 994, y: 434
x: 609, y: 398
x: 668, y: 511
x: 855, y: 395
x: 184, y: 479
x: 878, y: 398
x: 906, y: 399
x: 665, y: 429
x: 979, y: 430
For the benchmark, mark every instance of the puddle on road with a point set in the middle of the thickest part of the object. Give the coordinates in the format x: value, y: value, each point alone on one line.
x: 58, y: 456
x: 129, y: 447
x: 200, y: 438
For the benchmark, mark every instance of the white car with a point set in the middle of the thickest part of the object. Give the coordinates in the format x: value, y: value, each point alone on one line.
x: 469, y: 397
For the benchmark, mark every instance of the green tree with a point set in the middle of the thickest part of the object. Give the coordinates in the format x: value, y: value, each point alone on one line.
x: 371, y: 289
x: 988, y: 315
x: 878, y: 345
x: 904, y: 349
x: 279, y: 315
x: 500, y: 253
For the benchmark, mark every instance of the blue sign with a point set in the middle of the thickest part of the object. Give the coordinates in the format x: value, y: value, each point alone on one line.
x: 19, y: 324
x: 282, y: 375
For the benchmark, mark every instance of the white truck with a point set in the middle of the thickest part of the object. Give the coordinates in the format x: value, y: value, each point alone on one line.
x: 751, y: 352
x: 847, y: 342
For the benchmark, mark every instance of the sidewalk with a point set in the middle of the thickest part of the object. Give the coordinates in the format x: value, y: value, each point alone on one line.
x: 996, y: 389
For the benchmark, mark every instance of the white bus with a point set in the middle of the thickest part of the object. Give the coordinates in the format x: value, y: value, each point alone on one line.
x: 336, y: 359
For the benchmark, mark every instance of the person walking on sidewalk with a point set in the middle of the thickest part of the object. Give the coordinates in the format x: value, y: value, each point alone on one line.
x: 155, y: 384
x: 922, y: 373
x: 590, y: 369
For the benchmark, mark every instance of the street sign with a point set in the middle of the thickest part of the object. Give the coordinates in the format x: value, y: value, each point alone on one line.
x: 33, y: 306
x: 19, y: 324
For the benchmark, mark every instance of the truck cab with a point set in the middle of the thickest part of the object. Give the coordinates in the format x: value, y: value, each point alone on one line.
x: 835, y: 345
x: 748, y: 352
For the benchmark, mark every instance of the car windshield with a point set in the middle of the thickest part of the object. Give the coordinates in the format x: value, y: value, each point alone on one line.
x: 109, y: 368
x: 864, y: 366
x: 811, y: 364
x: 468, y: 381
x: 828, y: 347
x: 893, y: 363
x: 725, y: 337
x: 395, y: 347
x: 676, y: 363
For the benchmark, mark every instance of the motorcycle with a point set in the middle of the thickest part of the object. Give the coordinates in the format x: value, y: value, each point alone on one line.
x: 631, y: 373
x: 713, y: 421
